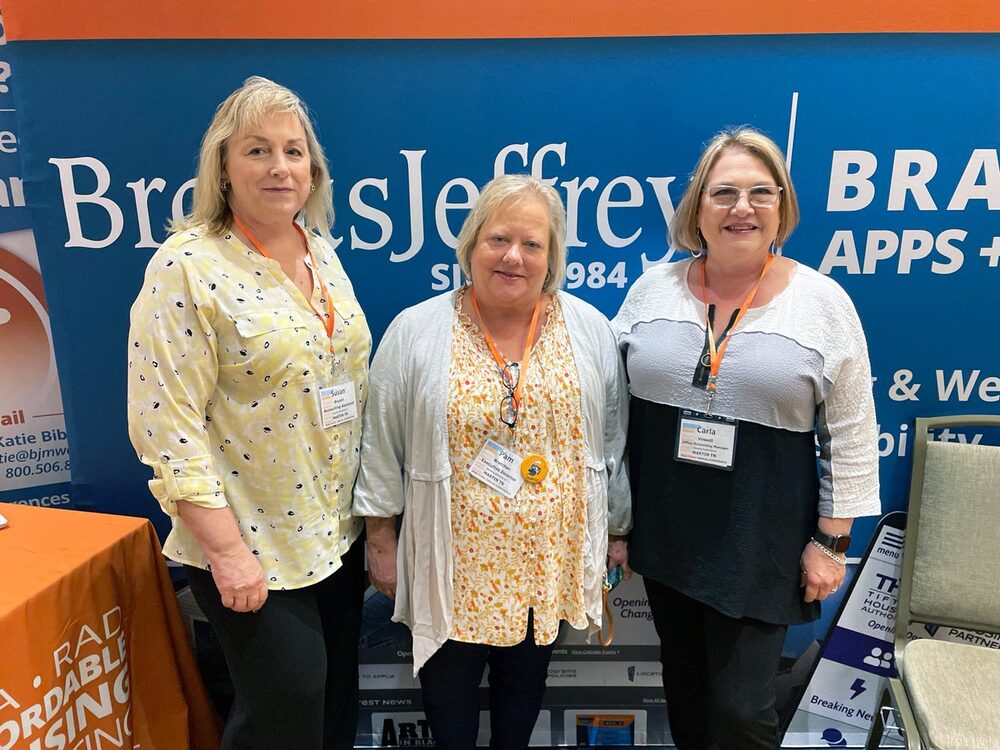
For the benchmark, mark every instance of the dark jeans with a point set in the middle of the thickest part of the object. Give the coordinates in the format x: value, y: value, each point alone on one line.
x: 718, y: 673
x: 294, y: 664
x: 450, y: 684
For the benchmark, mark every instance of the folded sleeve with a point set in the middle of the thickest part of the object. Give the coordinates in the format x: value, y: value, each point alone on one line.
x: 172, y: 372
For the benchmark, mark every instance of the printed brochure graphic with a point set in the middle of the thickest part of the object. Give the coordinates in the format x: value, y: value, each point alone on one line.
x: 33, y: 448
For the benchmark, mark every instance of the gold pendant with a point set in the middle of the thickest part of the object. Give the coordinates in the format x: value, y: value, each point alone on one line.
x: 534, y: 468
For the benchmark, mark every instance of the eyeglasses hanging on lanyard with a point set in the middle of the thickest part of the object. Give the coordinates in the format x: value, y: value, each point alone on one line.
x: 510, y: 374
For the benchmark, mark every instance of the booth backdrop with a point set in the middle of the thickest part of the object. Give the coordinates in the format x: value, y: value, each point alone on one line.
x: 892, y: 139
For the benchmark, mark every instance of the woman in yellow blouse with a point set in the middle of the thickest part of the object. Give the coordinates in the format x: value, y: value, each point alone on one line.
x: 247, y: 378
x: 495, y: 426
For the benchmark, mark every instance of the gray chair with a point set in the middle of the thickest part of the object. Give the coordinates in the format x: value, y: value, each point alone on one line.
x: 947, y: 695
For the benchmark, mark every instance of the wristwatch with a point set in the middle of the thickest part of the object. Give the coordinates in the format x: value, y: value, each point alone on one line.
x: 834, y: 542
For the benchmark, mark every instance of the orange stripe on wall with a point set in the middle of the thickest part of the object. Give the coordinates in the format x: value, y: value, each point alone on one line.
x: 451, y: 19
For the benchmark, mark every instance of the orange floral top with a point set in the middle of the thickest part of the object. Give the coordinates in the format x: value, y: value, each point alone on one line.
x: 512, y: 555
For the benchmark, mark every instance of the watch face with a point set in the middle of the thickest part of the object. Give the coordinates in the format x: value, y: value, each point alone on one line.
x: 839, y: 543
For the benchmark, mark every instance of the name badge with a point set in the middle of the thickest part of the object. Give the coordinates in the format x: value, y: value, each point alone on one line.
x: 498, y: 468
x: 706, y: 439
x: 337, y: 404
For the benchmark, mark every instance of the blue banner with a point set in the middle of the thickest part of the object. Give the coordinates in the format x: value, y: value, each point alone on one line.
x: 892, y: 141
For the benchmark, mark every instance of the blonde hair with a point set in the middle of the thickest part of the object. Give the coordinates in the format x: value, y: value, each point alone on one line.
x: 684, y: 233
x: 247, y: 106
x: 511, y: 187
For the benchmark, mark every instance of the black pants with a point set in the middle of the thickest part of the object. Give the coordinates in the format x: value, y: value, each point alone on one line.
x: 294, y: 663
x: 718, y: 673
x: 450, y: 684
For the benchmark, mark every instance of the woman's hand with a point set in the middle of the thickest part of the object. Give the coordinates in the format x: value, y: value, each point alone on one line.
x: 618, y: 555
x: 239, y: 579
x: 821, y: 575
x: 381, y: 537
x: 235, y: 570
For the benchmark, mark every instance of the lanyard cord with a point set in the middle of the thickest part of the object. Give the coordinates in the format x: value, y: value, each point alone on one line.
x: 497, y: 356
x: 716, y: 353
x: 327, y: 322
x: 608, y: 618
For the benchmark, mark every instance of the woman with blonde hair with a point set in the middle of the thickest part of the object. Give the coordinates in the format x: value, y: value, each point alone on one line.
x: 495, y: 427
x: 248, y: 370
x: 740, y: 362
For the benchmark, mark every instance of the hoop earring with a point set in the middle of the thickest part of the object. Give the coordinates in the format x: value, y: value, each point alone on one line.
x: 224, y: 185
x: 704, y: 245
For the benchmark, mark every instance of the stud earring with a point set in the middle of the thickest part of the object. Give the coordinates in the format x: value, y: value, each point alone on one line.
x: 224, y: 185
x: 312, y: 187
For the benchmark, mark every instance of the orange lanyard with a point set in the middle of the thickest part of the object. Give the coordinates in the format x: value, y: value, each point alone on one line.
x: 501, y: 363
x: 715, y: 354
x: 327, y: 322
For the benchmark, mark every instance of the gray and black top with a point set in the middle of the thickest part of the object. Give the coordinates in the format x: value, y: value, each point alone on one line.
x: 796, y: 375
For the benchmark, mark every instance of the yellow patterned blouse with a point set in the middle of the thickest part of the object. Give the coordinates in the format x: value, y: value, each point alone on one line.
x: 226, y: 359
x: 512, y: 555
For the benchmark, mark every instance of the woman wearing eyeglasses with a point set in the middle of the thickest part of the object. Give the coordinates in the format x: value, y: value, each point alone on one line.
x: 495, y: 425
x: 740, y: 362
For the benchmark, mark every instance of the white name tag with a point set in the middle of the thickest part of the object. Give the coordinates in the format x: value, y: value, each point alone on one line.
x: 337, y: 404
x: 706, y: 439
x: 498, y: 468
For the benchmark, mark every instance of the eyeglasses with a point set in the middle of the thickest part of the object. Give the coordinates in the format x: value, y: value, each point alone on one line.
x: 509, y: 376
x: 759, y: 196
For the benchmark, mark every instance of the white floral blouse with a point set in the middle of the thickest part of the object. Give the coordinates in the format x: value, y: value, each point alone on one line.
x: 512, y: 555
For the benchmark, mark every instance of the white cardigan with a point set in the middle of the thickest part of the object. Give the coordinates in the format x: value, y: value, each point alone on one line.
x: 405, y: 466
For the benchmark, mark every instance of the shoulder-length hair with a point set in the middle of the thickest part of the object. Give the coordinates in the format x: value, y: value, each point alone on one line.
x: 684, y: 233
x: 508, y: 187
x: 247, y: 106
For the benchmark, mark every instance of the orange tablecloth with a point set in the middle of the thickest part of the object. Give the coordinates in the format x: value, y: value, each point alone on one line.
x: 93, y: 651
